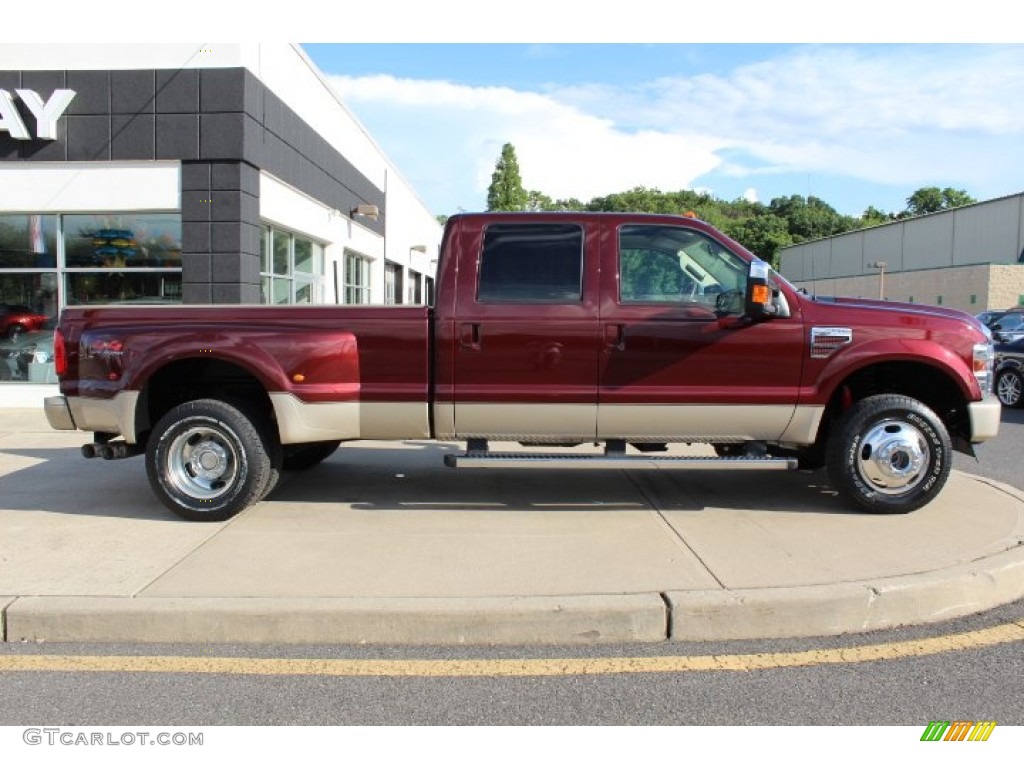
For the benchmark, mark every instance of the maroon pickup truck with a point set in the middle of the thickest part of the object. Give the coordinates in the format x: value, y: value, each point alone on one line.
x: 629, y: 330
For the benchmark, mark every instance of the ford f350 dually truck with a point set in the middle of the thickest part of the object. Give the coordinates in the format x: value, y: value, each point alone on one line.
x: 633, y: 331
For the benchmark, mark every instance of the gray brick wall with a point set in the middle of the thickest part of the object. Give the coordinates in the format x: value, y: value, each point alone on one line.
x: 224, y: 126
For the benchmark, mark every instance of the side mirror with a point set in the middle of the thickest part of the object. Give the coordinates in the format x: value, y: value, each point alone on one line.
x: 758, y: 300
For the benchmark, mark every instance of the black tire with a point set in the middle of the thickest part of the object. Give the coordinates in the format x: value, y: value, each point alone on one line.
x: 208, y: 460
x: 1009, y: 386
x: 15, y: 331
x: 300, y: 456
x: 889, y: 454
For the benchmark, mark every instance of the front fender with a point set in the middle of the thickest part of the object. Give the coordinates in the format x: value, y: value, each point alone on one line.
x: 847, y: 362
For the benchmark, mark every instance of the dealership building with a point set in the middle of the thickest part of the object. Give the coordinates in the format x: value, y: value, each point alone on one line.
x: 188, y: 173
x: 969, y: 258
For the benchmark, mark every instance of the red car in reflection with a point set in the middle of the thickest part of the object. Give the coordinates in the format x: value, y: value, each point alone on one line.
x: 17, y: 319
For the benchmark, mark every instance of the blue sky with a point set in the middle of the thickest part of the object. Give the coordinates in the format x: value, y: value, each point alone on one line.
x: 854, y: 124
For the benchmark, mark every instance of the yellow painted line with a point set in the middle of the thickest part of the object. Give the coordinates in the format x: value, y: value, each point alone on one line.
x: 982, y: 638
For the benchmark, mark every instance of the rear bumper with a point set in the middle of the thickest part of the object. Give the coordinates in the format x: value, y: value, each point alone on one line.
x: 115, y: 416
x: 985, y: 417
x: 58, y: 413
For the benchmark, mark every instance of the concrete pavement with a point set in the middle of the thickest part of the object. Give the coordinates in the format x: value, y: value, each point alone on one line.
x: 383, y: 544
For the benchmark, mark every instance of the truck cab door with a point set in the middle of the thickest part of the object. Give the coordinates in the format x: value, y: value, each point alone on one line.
x: 679, y: 362
x: 523, y: 335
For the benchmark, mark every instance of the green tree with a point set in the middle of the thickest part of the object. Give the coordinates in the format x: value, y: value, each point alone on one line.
x: 932, y: 199
x: 873, y: 217
x: 763, y: 235
x: 810, y: 218
x: 506, y: 191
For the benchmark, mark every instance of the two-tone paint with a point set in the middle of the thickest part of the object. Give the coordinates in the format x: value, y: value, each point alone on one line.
x: 589, y: 370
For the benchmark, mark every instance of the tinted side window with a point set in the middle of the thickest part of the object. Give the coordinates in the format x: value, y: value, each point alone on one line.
x: 673, y: 265
x: 531, y: 263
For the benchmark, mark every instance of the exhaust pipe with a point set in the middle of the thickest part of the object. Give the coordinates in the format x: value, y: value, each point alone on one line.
x: 118, y: 450
x: 110, y: 451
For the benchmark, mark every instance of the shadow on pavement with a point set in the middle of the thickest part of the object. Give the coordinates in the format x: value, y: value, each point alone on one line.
x: 411, y: 477
x: 60, y: 480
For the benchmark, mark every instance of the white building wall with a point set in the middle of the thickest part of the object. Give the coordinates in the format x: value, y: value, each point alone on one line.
x: 90, y: 187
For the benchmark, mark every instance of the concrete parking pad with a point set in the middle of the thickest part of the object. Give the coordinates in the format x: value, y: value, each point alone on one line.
x: 382, y: 543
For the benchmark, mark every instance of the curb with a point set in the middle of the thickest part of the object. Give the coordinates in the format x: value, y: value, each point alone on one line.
x: 582, y: 619
x: 701, y: 616
x: 848, y: 608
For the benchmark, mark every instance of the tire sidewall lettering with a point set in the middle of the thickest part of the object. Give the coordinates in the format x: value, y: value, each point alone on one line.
x: 859, y: 424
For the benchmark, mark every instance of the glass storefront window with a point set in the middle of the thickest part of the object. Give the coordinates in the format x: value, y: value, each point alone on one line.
x: 303, y: 256
x: 282, y: 291
x: 35, y: 291
x: 123, y: 288
x: 28, y: 241
x: 281, y: 241
x: 122, y: 240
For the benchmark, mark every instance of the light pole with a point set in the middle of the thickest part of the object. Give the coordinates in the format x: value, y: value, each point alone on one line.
x: 880, y: 266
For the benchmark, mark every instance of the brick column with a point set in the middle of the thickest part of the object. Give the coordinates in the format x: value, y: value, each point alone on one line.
x: 220, y: 232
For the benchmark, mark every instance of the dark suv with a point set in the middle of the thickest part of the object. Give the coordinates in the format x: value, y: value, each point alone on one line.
x: 1010, y: 372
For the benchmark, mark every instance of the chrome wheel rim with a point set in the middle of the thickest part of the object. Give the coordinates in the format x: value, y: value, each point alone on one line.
x: 202, y: 463
x: 892, y: 457
x: 1008, y: 389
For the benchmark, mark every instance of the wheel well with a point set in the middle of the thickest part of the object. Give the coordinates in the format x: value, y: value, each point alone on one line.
x: 195, y: 378
x: 917, y: 380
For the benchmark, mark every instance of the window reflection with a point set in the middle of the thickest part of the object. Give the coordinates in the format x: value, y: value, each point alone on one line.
x: 123, y: 241
x: 123, y: 288
x: 28, y: 241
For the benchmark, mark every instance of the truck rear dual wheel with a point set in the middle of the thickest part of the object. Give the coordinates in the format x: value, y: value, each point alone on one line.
x: 208, y: 460
x: 889, y: 454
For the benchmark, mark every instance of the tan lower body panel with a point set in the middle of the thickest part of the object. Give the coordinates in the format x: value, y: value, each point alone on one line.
x: 693, y: 423
x: 301, y: 422
x: 521, y: 421
x: 116, y: 415
x: 636, y: 423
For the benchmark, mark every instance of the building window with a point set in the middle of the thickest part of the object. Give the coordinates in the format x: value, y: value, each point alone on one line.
x: 48, y: 261
x: 292, y: 268
x: 357, y: 278
x: 415, y: 293
x: 392, y: 283
x: 429, y: 288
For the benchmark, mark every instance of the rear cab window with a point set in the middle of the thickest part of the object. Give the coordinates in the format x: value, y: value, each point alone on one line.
x: 531, y: 263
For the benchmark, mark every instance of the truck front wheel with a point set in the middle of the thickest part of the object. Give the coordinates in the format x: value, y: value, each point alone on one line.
x: 208, y: 460
x: 889, y: 454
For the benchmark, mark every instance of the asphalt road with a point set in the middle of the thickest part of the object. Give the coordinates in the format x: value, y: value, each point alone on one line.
x: 1000, y: 459
x: 977, y: 684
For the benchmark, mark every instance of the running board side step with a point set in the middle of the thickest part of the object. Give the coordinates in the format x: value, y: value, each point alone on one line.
x: 488, y: 460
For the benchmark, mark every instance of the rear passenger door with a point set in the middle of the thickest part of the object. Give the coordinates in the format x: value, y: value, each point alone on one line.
x: 526, y: 343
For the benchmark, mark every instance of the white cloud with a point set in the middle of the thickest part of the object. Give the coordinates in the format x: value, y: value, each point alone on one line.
x: 894, y: 115
x: 563, y: 150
